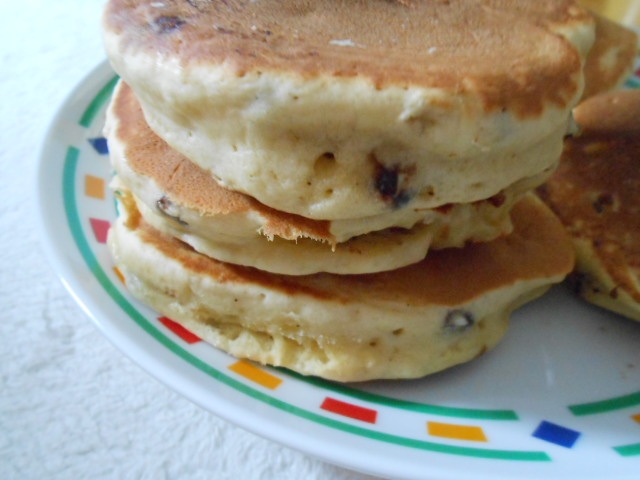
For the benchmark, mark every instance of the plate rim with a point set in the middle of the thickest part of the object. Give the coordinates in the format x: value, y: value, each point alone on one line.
x: 149, y: 362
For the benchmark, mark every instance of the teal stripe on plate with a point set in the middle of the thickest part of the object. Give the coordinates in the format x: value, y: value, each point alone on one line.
x: 83, y: 245
x: 478, y: 414
x: 605, y: 406
x: 97, y: 103
x: 628, y: 450
x: 72, y: 159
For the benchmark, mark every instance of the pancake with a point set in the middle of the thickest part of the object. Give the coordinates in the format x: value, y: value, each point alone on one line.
x: 374, y: 252
x: 443, y: 311
x: 596, y: 194
x: 612, y: 114
x: 179, y: 198
x: 348, y: 109
x: 611, y: 59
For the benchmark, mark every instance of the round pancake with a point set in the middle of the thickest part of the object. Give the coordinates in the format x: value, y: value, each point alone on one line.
x: 349, y: 109
x: 374, y: 252
x: 596, y: 194
x: 179, y: 198
x: 445, y: 310
x: 611, y: 59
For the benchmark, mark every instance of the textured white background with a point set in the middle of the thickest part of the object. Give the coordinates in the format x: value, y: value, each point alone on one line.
x: 71, y: 405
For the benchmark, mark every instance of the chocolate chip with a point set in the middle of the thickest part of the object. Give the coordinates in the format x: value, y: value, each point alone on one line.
x: 402, y: 198
x: 458, y: 321
x: 583, y: 285
x: 577, y: 282
x: 167, y: 24
x: 165, y: 206
x: 388, y: 183
x: 497, y: 200
x: 603, y: 201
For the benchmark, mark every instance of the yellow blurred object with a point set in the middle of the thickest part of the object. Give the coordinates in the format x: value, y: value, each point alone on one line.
x: 626, y: 12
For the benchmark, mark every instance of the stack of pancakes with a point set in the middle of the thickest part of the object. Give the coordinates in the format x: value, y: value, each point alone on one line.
x: 342, y: 187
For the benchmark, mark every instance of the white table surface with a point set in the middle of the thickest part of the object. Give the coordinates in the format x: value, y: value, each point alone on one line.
x: 71, y: 405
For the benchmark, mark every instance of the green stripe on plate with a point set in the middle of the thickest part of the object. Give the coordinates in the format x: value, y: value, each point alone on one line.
x: 605, y: 406
x: 97, y: 103
x: 75, y: 225
x: 628, y: 450
x: 477, y: 414
x: 69, y: 173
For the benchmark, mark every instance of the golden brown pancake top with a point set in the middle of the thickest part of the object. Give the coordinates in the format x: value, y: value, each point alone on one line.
x: 538, y: 248
x: 189, y: 185
x: 507, y: 52
x: 596, y: 189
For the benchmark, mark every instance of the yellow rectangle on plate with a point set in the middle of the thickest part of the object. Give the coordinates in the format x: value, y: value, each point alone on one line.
x: 119, y: 274
x: 94, y: 187
x: 457, y: 432
x: 256, y: 374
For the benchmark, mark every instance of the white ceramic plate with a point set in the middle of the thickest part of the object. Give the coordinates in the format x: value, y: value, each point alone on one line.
x: 558, y: 399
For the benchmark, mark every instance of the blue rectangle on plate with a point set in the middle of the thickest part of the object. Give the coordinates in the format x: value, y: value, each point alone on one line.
x: 557, y: 434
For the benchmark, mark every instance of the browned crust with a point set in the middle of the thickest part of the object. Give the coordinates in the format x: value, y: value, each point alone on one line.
x: 596, y: 189
x: 507, y: 52
x: 187, y: 185
x: 539, y: 248
x: 190, y: 185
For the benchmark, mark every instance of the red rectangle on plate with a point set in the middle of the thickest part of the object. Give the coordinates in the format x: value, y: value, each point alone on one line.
x: 179, y: 330
x: 100, y: 229
x: 349, y: 410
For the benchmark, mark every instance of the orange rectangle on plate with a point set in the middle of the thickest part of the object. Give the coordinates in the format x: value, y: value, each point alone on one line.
x: 94, y: 187
x: 256, y: 374
x: 457, y: 432
x: 119, y: 274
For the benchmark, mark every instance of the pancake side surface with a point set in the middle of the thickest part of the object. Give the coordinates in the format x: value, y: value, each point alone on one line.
x: 291, y: 95
x: 446, y: 310
x: 179, y: 198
